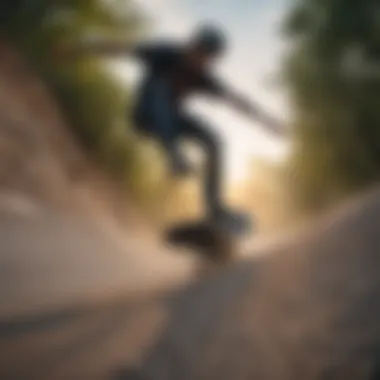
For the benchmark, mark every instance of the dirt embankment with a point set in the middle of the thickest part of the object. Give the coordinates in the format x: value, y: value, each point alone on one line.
x: 309, y: 309
x: 41, y: 162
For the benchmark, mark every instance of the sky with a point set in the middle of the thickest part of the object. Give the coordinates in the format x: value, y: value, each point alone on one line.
x: 250, y: 67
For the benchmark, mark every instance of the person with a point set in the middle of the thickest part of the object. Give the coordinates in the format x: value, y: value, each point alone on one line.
x: 173, y: 71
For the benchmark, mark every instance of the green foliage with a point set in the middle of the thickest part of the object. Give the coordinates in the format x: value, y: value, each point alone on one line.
x: 335, y: 96
x: 90, y: 96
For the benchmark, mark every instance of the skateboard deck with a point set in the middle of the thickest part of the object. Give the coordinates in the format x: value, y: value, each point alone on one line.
x: 205, y: 237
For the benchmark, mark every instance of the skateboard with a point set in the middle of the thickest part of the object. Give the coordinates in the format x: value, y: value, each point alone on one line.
x: 208, y: 237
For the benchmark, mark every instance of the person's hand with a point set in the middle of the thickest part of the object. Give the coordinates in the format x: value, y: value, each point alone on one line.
x: 273, y: 125
x: 245, y: 106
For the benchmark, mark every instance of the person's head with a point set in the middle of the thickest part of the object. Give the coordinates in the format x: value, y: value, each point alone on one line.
x: 206, y: 45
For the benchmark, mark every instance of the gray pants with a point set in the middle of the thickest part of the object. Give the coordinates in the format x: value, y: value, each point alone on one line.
x: 158, y: 115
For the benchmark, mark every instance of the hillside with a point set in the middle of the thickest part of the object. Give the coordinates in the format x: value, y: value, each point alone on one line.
x: 41, y: 161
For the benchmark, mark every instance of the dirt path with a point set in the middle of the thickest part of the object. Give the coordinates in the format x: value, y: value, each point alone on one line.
x: 88, y: 343
x: 77, y: 300
x: 48, y: 260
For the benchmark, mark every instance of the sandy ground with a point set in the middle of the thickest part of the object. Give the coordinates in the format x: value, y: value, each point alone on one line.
x: 78, y: 300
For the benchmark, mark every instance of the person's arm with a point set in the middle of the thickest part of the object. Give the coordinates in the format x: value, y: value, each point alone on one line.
x: 215, y: 87
x: 108, y: 48
x: 93, y: 47
x: 254, y: 111
x: 105, y: 48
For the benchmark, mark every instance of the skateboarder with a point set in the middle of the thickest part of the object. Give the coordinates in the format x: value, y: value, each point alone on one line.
x: 172, y: 72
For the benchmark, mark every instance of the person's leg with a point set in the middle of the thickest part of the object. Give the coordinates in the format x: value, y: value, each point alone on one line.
x: 198, y: 131
x: 154, y: 110
x: 158, y: 112
x: 215, y: 208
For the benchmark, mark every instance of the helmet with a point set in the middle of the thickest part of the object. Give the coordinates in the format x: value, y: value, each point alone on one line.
x: 210, y: 39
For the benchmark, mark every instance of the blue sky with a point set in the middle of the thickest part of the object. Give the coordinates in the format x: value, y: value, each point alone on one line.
x: 254, y: 57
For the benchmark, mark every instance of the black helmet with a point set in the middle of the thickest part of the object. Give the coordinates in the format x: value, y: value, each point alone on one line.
x: 210, y: 39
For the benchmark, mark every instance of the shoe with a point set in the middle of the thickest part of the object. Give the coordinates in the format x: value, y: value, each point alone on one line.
x: 231, y: 221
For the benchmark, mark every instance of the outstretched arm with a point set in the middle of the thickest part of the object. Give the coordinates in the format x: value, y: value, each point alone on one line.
x: 255, y: 112
x: 95, y: 47
x: 107, y: 48
x: 146, y: 52
x: 214, y: 86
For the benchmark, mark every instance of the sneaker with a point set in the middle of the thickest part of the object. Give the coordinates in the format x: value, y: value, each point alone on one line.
x: 231, y: 221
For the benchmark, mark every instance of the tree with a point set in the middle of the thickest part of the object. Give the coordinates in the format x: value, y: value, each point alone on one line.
x: 333, y: 71
x: 91, y: 97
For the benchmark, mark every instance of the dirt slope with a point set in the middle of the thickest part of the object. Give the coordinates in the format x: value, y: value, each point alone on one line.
x: 40, y: 158
x: 308, y: 310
